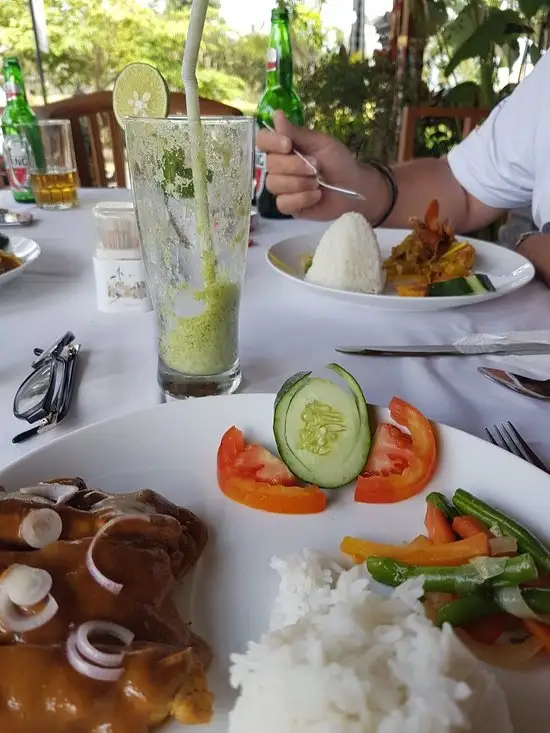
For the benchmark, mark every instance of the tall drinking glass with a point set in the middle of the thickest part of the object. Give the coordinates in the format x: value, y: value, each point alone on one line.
x: 196, y: 289
x: 52, y: 163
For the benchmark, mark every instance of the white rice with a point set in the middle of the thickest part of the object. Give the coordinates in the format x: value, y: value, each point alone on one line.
x: 340, y: 659
x: 348, y: 257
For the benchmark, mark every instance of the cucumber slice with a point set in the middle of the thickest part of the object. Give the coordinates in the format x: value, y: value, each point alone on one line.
x: 140, y: 91
x: 481, y: 284
x: 322, y: 430
x: 449, y: 288
x: 471, y: 285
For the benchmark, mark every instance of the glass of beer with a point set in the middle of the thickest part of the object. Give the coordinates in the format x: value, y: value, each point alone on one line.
x: 52, y: 163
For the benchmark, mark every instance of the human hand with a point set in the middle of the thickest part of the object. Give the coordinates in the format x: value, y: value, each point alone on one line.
x: 294, y: 183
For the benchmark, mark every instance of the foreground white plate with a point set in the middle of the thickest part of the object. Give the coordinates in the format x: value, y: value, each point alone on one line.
x: 27, y: 249
x: 161, y: 448
x: 507, y: 269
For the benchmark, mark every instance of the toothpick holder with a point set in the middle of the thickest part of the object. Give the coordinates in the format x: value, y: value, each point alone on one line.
x: 120, y: 280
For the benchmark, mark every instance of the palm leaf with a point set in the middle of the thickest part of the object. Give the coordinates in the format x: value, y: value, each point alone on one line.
x: 497, y: 30
x: 461, y: 28
x: 530, y: 8
x: 465, y: 94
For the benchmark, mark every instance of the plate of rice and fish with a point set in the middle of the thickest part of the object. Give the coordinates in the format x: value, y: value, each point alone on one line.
x: 305, y: 562
x: 426, y: 268
x: 16, y: 253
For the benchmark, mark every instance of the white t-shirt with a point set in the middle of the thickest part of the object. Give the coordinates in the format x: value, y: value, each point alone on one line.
x: 505, y: 163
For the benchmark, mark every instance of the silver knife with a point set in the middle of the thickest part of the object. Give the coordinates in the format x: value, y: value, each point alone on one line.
x: 450, y: 350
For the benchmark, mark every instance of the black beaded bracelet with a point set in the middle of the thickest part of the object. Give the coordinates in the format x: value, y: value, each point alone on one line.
x: 389, y: 177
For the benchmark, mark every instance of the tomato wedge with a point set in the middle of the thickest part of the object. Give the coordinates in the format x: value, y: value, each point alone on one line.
x: 251, y: 475
x: 400, y: 465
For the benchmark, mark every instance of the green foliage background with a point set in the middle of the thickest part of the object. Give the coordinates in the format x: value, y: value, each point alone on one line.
x: 92, y: 40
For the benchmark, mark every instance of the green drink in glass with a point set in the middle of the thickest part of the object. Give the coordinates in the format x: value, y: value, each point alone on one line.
x: 195, y: 281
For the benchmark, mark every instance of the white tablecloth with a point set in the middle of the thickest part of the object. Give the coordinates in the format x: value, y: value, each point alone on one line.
x: 284, y: 328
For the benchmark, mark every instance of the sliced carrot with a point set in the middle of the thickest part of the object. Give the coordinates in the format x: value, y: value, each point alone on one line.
x: 452, y: 553
x: 439, y: 529
x: 486, y: 630
x: 467, y: 526
x: 421, y: 541
x: 540, y: 631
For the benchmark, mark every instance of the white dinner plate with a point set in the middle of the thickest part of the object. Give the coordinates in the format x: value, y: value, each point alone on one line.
x: 27, y: 249
x: 507, y: 270
x: 161, y: 448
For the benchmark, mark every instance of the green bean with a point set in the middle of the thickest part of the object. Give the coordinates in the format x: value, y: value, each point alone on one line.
x: 466, y: 609
x: 443, y: 504
x: 474, y: 606
x: 466, y: 503
x: 461, y: 579
x: 538, y: 599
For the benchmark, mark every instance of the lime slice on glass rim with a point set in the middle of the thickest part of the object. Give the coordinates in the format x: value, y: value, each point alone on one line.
x: 140, y: 91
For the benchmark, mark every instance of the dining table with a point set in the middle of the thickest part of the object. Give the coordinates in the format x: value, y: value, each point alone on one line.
x: 284, y: 328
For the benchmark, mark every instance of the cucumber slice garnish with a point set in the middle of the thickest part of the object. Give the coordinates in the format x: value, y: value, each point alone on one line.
x: 322, y: 430
x: 471, y: 285
x: 140, y: 91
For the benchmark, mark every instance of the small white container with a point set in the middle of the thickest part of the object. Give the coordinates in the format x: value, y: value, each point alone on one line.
x: 121, y: 285
x: 120, y: 280
x: 115, y: 225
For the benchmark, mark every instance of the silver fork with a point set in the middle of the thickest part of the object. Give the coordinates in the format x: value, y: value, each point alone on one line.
x: 320, y: 180
x: 507, y: 437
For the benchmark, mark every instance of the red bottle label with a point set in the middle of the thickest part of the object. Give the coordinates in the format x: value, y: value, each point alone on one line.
x: 12, y: 90
x: 272, y: 59
x: 17, y: 165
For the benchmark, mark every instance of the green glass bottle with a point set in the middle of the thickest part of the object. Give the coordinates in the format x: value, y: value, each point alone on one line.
x: 17, y: 112
x: 279, y: 94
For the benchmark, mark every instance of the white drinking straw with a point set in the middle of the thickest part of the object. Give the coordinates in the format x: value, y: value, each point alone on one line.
x: 198, y: 158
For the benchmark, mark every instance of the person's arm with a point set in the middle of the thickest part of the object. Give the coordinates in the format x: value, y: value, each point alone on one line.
x: 536, y: 248
x: 492, y: 170
x: 418, y: 182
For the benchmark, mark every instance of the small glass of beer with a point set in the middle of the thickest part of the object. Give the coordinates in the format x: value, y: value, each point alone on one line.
x: 52, y: 163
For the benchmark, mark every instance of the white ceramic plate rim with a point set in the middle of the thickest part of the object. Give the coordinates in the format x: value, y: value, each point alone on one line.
x: 151, y: 434
x: 18, y: 243
x: 521, y: 275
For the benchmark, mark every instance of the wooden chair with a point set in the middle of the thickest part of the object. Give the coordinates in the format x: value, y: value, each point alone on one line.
x: 469, y: 117
x: 96, y: 131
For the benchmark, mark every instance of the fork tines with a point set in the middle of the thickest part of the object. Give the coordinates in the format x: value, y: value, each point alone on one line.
x: 507, y: 437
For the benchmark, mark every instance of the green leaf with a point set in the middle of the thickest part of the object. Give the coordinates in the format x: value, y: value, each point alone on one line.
x: 465, y: 94
x: 508, y: 54
x: 461, y: 28
x: 494, y: 31
x: 530, y: 8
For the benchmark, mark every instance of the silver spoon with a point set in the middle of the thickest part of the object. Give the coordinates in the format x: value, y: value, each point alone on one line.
x: 537, y: 388
x: 320, y: 180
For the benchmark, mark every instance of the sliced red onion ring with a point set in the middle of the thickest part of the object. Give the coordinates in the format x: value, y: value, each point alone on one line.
x: 94, y: 571
x: 489, y: 567
x: 120, y: 506
x: 26, y: 586
x: 503, y: 545
x: 85, y: 667
x: 58, y: 493
x: 89, y: 651
x: 41, y: 527
x: 511, y: 601
x: 12, y: 620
